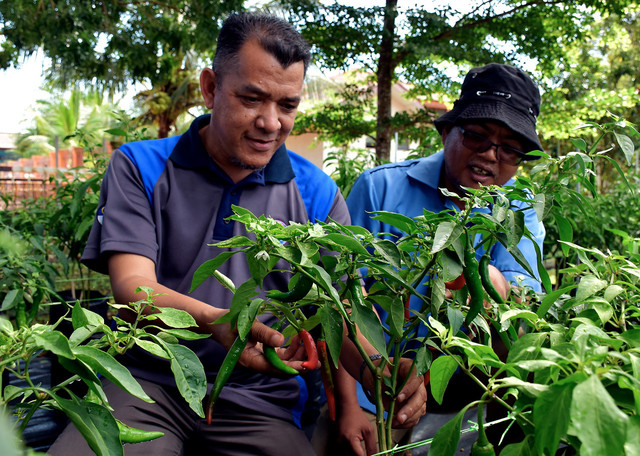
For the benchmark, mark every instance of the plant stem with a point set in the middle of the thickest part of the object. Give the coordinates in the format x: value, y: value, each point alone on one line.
x: 488, y: 391
x: 394, y: 382
x: 376, y: 372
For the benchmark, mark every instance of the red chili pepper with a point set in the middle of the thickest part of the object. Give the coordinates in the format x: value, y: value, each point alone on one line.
x: 310, y: 348
x: 327, y: 378
x: 407, y: 313
x: 427, y: 377
x: 455, y: 284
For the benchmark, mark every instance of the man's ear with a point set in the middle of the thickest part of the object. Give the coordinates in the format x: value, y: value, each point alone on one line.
x: 445, y: 132
x: 208, y: 86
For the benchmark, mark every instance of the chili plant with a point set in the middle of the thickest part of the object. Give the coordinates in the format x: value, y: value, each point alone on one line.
x: 26, y: 275
x: 327, y: 262
x: 90, y: 351
x: 570, y: 381
x: 575, y: 346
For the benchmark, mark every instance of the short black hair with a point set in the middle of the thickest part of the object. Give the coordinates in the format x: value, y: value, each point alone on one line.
x: 275, y: 35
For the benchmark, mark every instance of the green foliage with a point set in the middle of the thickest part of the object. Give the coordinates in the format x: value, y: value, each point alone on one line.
x: 346, y: 167
x: 350, y: 109
x: 90, y: 350
x: 71, y: 214
x: 26, y: 275
x: 68, y: 120
x: 569, y: 378
x: 599, y: 75
x: 432, y: 47
x: 579, y: 204
x: 167, y: 101
x: 108, y: 44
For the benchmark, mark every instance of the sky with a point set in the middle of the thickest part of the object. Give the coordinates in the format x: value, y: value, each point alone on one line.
x: 19, y: 91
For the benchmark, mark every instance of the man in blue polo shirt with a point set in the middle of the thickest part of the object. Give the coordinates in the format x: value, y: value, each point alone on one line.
x: 163, y: 202
x: 486, y: 136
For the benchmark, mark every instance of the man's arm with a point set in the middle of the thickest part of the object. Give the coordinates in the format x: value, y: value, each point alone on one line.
x: 499, y: 282
x: 354, y: 427
x: 411, y: 402
x: 129, y: 271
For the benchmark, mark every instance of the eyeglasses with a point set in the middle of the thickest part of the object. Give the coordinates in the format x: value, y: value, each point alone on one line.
x: 478, y: 143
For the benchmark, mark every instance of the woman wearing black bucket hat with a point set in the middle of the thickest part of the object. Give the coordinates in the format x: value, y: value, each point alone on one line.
x: 488, y: 133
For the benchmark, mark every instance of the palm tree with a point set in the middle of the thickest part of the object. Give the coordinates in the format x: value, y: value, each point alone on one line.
x: 73, y: 121
x: 167, y: 102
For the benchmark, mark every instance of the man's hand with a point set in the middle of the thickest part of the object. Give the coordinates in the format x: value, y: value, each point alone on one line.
x: 354, y: 429
x: 253, y: 355
x: 411, y: 403
x: 129, y: 271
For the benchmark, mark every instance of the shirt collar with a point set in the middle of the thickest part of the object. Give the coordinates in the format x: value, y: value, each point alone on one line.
x: 428, y: 170
x: 191, y: 153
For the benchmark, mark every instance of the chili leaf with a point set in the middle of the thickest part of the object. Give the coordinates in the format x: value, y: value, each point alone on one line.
x: 207, y: 268
x: 445, y: 442
x: 189, y: 374
x: 332, y: 327
x: 55, y: 342
x: 95, y: 423
x: 556, y: 402
x: 596, y: 420
x: 105, y: 364
x: 442, y: 368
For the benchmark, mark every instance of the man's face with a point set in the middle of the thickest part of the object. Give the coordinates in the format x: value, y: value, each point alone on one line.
x: 253, y: 106
x: 464, y: 167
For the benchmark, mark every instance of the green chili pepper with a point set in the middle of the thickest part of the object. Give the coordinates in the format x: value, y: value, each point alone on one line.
x: 129, y: 434
x: 482, y: 446
x: 230, y: 361
x: 299, y: 290
x: 486, y: 279
x: 275, y: 361
x: 474, y: 283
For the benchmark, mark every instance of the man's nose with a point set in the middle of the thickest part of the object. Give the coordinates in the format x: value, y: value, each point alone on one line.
x: 268, y: 119
x: 491, y: 152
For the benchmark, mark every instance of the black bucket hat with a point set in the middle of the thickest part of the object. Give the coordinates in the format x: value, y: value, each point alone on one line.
x: 498, y: 92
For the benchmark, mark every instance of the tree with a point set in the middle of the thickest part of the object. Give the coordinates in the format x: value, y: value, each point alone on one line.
x: 166, y: 102
x: 432, y: 48
x: 107, y: 44
x: 75, y: 120
x: 599, y: 76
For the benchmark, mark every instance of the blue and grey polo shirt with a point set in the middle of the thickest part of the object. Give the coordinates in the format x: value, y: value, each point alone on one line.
x: 167, y: 200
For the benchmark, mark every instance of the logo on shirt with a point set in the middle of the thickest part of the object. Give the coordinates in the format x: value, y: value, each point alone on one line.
x: 100, y: 215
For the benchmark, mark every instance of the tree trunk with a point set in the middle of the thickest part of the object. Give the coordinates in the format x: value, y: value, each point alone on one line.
x: 385, y: 80
x: 164, y: 126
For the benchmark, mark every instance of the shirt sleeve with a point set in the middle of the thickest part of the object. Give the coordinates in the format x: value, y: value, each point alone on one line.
x: 339, y: 211
x: 362, y: 201
x: 124, y: 219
